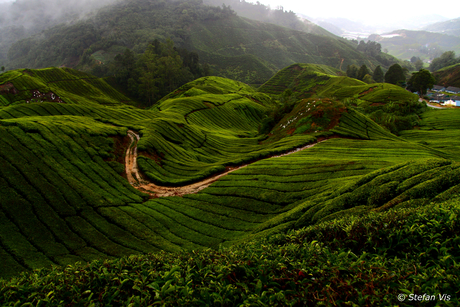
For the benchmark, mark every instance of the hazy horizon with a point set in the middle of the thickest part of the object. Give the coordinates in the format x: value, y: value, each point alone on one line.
x: 391, y: 12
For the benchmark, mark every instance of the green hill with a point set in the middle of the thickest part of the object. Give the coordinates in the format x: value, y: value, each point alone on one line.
x: 60, y: 85
x: 389, y: 105
x: 235, y: 47
x: 68, y: 195
x: 448, y: 76
x: 450, y: 27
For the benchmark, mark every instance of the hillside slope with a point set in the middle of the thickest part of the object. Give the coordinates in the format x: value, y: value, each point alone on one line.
x: 448, y: 76
x: 404, y: 44
x: 64, y: 196
x: 57, y: 85
x: 235, y: 47
x: 450, y: 27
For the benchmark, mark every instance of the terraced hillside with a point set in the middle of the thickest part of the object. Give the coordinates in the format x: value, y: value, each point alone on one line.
x: 67, y: 192
x: 56, y: 85
x: 388, y: 105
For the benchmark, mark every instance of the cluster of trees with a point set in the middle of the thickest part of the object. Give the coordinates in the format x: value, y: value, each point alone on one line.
x: 419, y: 82
x: 156, y: 72
x: 364, y: 74
x: 370, y: 47
x: 374, y: 50
x: 128, y: 24
x: 417, y: 62
x: 446, y: 59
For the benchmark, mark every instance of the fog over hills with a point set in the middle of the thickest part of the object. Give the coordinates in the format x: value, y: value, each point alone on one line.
x: 22, y: 18
x: 354, y: 29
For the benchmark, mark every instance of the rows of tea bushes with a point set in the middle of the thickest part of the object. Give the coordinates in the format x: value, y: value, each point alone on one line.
x: 295, y: 74
x: 362, y: 261
x: 407, y: 184
x: 309, y: 80
x: 63, y: 198
x: 208, y: 132
x: 52, y: 176
x: 439, y: 130
x: 66, y: 85
x: 120, y: 116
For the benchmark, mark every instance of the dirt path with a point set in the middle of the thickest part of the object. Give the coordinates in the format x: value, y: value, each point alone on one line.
x: 138, y: 182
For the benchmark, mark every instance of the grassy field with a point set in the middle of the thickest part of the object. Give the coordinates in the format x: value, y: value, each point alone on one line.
x: 64, y: 197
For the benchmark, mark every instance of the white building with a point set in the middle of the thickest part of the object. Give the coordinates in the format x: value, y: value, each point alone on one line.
x: 453, y: 101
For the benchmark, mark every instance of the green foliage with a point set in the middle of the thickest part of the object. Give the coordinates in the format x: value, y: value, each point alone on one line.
x: 59, y: 85
x: 352, y: 71
x: 370, y: 47
x: 378, y: 75
x: 366, y: 260
x: 362, y: 72
x: 421, y: 81
x: 365, y: 193
x: 229, y: 45
x: 449, y: 75
x: 445, y: 60
x: 395, y: 75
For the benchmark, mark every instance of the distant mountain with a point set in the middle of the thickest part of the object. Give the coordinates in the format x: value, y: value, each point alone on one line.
x: 260, y: 12
x: 353, y: 29
x: 450, y: 27
x: 235, y: 47
x: 22, y: 18
x: 405, y: 44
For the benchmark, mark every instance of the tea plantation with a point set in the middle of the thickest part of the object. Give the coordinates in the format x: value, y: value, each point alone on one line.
x: 357, y: 218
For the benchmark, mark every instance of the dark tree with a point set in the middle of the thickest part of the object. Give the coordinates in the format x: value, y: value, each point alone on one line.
x: 418, y: 64
x: 378, y: 74
x: 421, y: 81
x: 352, y: 71
x: 395, y: 75
x: 414, y: 59
x: 362, y: 72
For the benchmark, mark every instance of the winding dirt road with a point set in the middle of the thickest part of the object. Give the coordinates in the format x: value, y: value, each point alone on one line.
x: 137, y: 181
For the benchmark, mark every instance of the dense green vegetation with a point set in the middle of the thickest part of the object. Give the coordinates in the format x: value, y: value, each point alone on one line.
x: 56, y: 85
x: 234, y: 47
x: 343, y: 221
x: 446, y: 59
x: 366, y: 260
x: 448, y: 76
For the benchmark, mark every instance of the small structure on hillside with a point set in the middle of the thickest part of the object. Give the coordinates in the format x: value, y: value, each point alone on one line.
x: 438, y: 88
x: 453, y: 90
x: 453, y: 101
x: 439, y: 98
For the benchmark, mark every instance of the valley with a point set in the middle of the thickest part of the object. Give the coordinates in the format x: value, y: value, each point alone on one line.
x: 90, y: 183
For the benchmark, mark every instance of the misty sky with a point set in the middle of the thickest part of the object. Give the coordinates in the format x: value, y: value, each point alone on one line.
x: 368, y: 11
x: 364, y: 10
